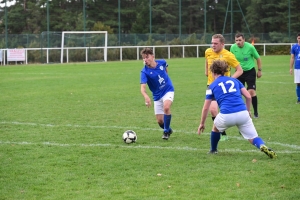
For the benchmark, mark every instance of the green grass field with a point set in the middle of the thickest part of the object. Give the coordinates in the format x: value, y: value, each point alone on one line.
x: 61, y: 129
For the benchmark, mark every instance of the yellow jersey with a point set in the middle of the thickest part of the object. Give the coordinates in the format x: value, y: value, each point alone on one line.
x: 225, y: 55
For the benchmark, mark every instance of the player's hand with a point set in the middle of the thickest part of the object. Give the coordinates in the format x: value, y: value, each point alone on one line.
x: 259, y: 74
x: 250, y: 114
x: 147, y: 101
x: 201, y: 129
x: 148, y: 104
x: 291, y: 71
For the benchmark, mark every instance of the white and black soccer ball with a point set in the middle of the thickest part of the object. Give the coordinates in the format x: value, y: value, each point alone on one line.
x: 129, y: 136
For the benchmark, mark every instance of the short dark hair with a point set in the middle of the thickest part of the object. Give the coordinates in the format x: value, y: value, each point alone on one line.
x: 298, y: 34
x: 239, y: 35
x: 147, y: 51
x: 219, y: 67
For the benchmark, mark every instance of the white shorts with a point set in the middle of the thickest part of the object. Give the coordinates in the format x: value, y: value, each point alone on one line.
x: 296, y: 75
x: 159, y: 105
x: 240, y: 119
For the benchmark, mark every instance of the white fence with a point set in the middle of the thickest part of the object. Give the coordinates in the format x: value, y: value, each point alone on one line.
x: 121, y: 48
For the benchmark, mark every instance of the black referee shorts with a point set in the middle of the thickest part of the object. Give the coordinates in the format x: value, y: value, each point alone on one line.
x: 249, y: 77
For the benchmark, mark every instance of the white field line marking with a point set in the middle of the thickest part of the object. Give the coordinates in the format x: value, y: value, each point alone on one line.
x: 290, y: 83
x: 135, y: 146
x: 292, y: 146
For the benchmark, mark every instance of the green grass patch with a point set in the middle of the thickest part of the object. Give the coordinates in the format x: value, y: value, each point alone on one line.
x: 61, y: 129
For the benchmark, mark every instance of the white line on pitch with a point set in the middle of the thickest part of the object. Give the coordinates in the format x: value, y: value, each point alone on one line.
x: 136, y: 146
x: 137, y: 128
x: 290, y: 83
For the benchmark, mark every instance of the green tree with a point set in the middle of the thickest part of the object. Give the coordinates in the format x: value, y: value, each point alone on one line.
x: 16, y: 19
x: 33, y: 20
x: 165, y: 16
x: 262, y: 15
x: 295, y: 17
x: 142, y: 20
x: 99, y: 26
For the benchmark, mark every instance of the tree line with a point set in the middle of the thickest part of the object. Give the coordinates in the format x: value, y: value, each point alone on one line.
x: 152, y: 16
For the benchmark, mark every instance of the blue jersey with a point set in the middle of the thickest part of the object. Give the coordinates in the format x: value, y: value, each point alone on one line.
x: 296, y: 51
x: 157, y: 79
x: 227, y: 92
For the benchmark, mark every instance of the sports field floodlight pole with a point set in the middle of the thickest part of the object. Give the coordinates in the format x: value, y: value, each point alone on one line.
x: 150, y: 12
x: 179, y: 18
x: 289, y: 19
x: 119, y: 20
x: 204, y: 18
x: 48, y: 22
x: 85, y: 32
x: 5, y: 24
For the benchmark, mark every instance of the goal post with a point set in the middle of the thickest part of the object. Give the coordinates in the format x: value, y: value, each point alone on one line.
x: 104, y: 47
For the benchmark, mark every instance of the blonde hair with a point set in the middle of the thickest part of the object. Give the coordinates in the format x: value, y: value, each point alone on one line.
x: 220, y: 37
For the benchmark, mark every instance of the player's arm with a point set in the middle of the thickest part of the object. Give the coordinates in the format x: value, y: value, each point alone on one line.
x: 248, y: 98
x: 258, y: 60
x: 238, y: 72
x: 166, y: 69
x: 145, y: 95
x: 166, y: 66
x: 204, y: 113
x: 206, y: 68
x: 292, y: 60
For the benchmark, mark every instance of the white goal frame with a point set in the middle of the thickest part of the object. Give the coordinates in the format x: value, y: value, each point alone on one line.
x: 80, y: 32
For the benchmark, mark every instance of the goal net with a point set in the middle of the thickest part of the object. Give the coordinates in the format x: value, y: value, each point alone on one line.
x: 83, y: 46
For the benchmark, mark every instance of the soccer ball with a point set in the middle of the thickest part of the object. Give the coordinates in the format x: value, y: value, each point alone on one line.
x: 129, y: 136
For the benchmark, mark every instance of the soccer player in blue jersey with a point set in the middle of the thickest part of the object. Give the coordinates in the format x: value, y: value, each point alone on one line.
x: 228, y: 93
x: 295, y: 63
x: 155, y: 75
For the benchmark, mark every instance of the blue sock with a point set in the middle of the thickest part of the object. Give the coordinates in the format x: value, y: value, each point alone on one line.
x: 167, y: 122
x: 214, y: 139
x: 257, y: 142
x: 298, y: 92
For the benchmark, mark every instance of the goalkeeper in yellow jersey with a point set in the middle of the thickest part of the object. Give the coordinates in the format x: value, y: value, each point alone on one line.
x: 218, y: 52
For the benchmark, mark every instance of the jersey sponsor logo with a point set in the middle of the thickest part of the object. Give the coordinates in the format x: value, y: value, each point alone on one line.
x: 161, y: 79
x: 161, y: 68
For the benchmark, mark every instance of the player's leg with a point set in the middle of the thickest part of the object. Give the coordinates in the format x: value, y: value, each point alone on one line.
x: 214, y: 110
x: 215, y: 136
x: 260, y: 144
x: 167, y: 103
x: 159, y: 113
x: 247, y: 129
x: 167, y: 114
x: 297, y: 81
x: 251, y: 87
x: 160, y: 120
x: 220, y: 125
x: 298, y: 92
x: 242, y: 79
